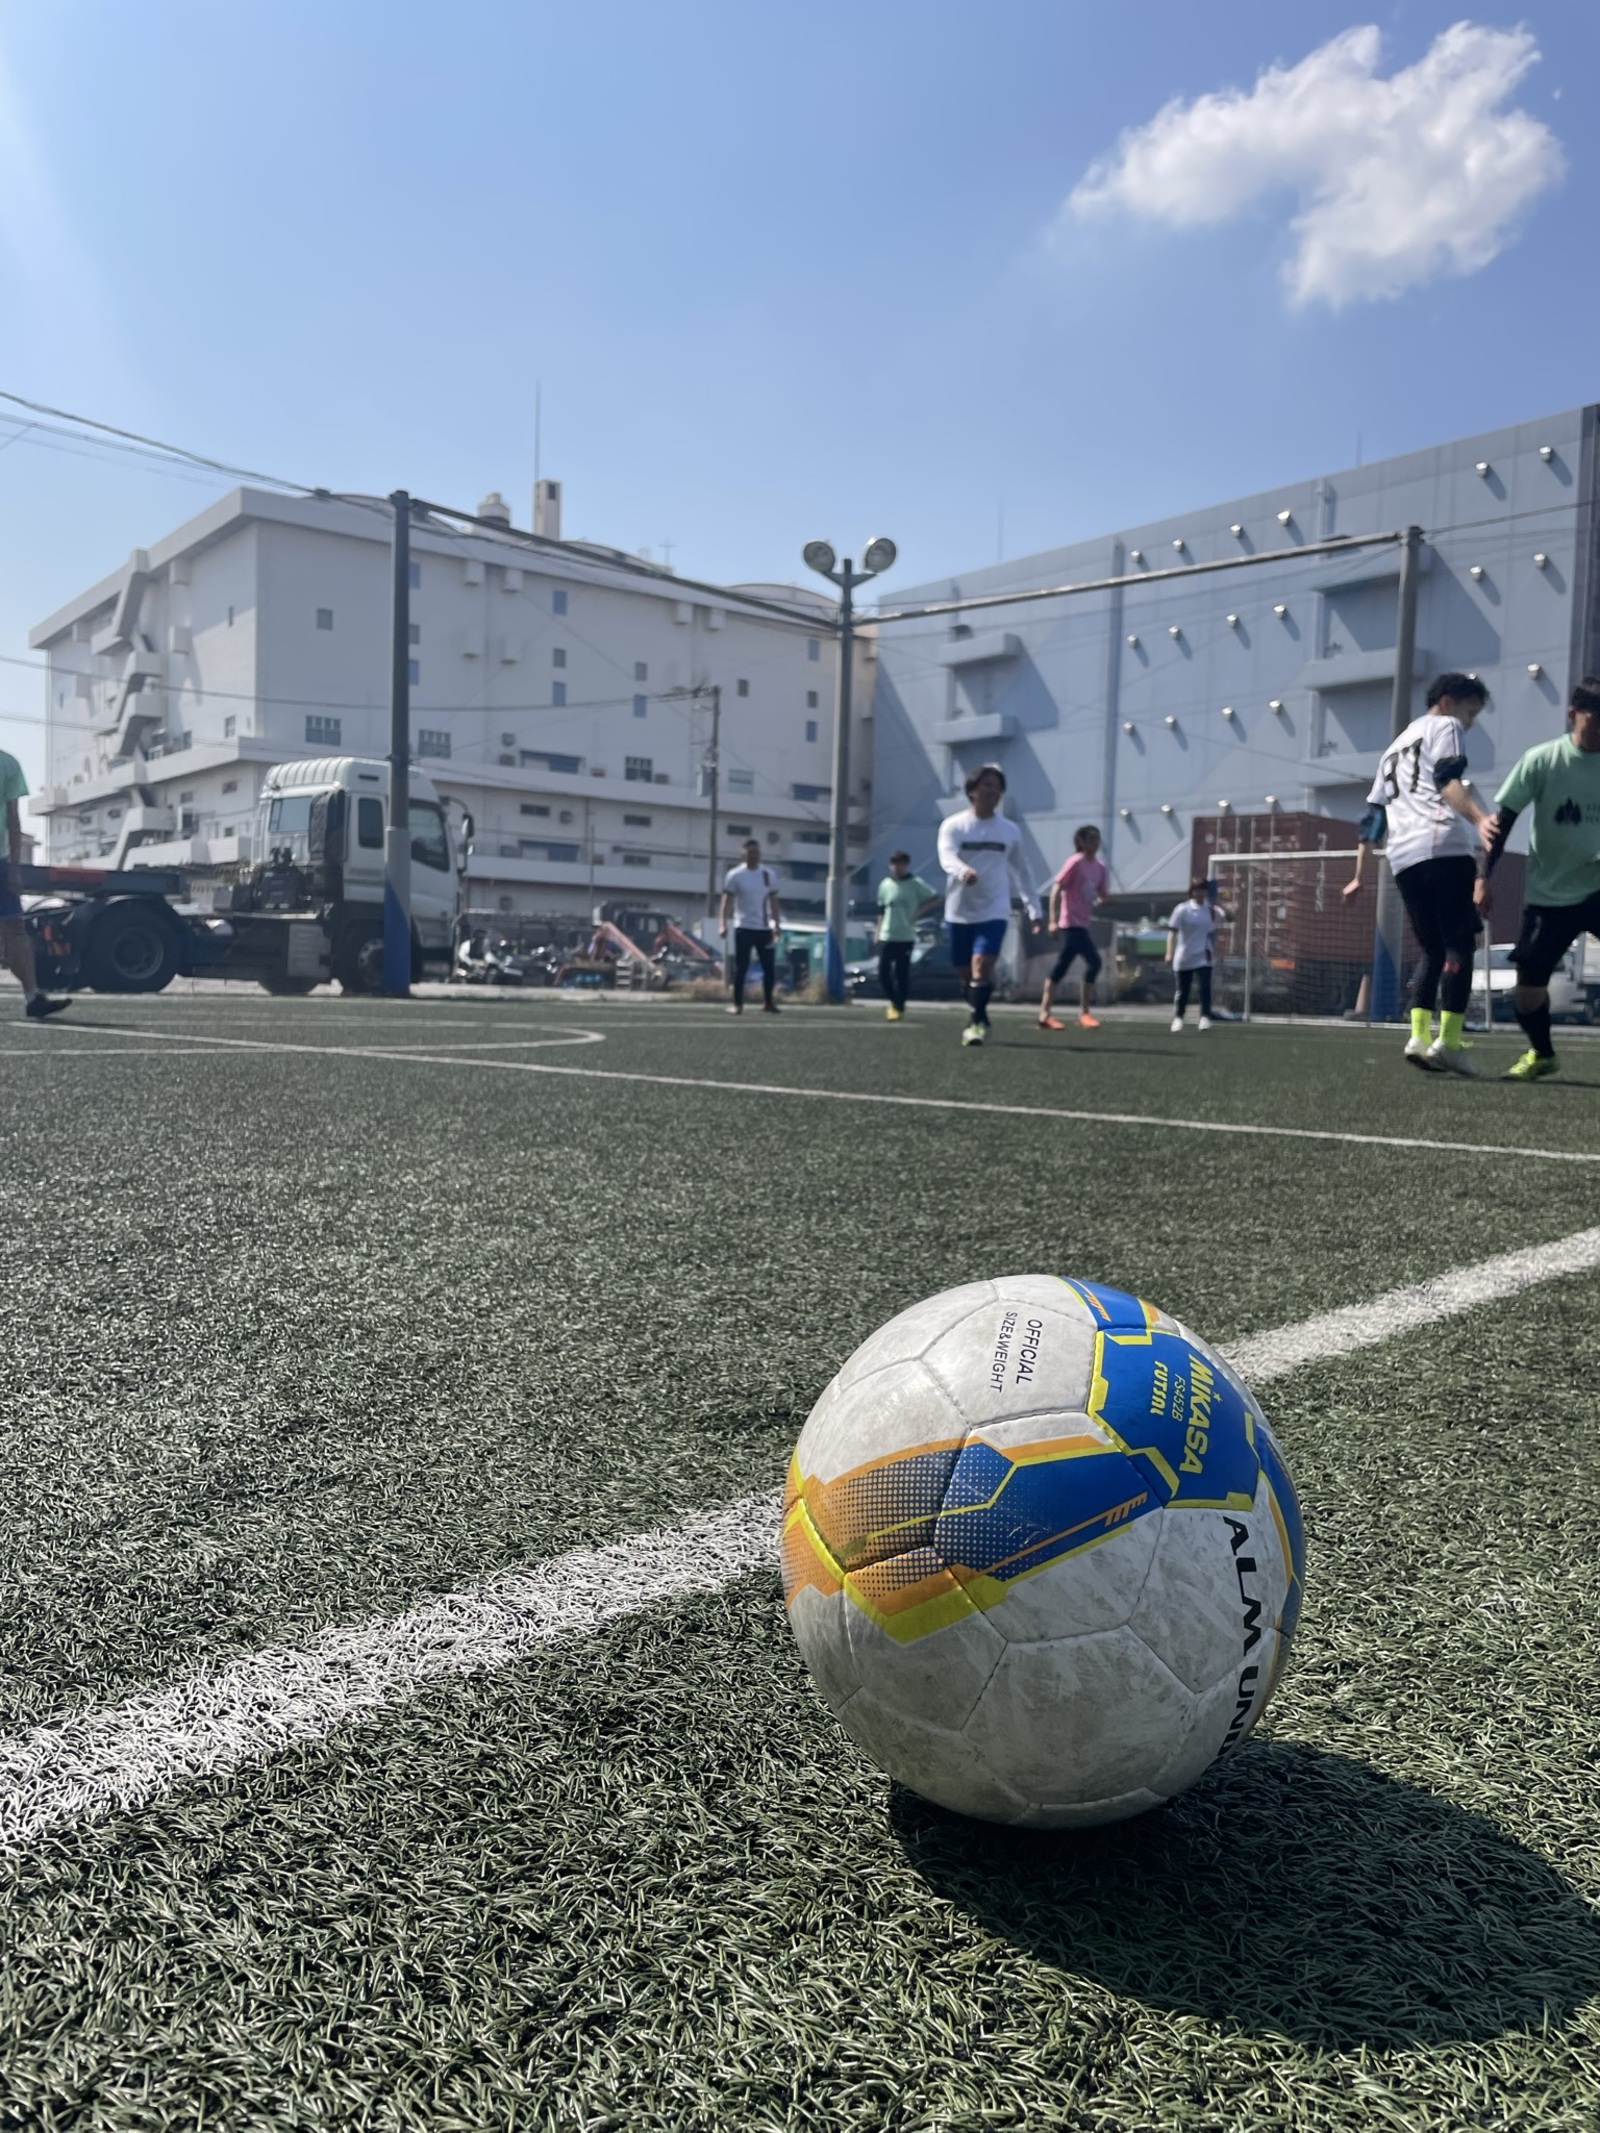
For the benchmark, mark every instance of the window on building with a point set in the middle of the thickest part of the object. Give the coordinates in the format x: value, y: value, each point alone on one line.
x: 639, y: 770
x: 558, y: 655
x: 534, y: 807
x: 636, y: 859
x: 558, y: 603
x: 811, y: 729
x: 811, y: 699
x: 741, y: 688
x: 324, y: 618
x: 321, y: 731
x: 640, y: 706
x: 807, y: 870
x: 811, y: 792
x: 568, y: 766
x: 230, y: 727
x: 415, y: 576
x: 414, y: 632
x: 230, y: 784
x: 558, y: 692
x: 813, y: 648
x: 542, y: 848
x: 811, y: 837
x: 507, y: 903
x: 369, y: 822
x: 741, y: 781
x: 414, y: 671
x: 641, y: 670
x: 735, y: 829
x: 432, y: 740
x: 637, y: 822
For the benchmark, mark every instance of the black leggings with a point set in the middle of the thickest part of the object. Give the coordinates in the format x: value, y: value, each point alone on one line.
x: 1077, y: 940
x: 758, y: 938
x: 894, y: 971
x: 1184, y: 979
x: 1437, y: 894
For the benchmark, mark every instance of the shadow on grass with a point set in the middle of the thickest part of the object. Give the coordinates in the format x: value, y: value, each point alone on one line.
x: 1299, y: 1894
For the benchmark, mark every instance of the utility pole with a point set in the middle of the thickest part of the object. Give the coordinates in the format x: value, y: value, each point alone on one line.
x: 397, y: 838
x: 1388, y: 946
x: 713, y: 787
x: 879, y: 556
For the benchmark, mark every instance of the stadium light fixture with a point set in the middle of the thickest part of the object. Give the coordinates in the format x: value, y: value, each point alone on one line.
x: 1237, y: 530
x: 1128, y: 726
x: 1170, y: 720
x: 1173, y: 630
x: 1483, y: 469
x: 1541, y: 561
x: 878, y: 556
x: 1178, y: 544
x: 1166, y: 807
x: 1280, y: 608
x: 1232, y: 621
x: 1547, y: 452
x: 1272, y: 799
x: 1274, y: 703
x: 1285, y: 518
x: 1223, y: 806
x: 1229, y: 712
x: 1135, y: 555
x: 1476, y: 572
x: 1126, y: 813
x: 1535, y: 669
x: 1133, y: 641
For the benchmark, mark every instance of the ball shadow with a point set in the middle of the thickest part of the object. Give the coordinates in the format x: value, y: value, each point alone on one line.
x: 1296, y: 1893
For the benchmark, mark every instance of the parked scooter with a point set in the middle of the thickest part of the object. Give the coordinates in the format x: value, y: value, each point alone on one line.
x: 482, y: 961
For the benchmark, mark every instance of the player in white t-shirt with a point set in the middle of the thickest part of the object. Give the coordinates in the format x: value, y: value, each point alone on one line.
x: 750, y: 898
x: 981, y: 854
x: 1420, y: 806
x: 1191, y: 949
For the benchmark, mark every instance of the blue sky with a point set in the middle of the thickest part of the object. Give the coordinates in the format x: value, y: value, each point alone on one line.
x: 783, y: 272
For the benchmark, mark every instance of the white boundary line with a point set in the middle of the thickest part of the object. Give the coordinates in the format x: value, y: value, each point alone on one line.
x: 231, y: 1715
x: 460, y: 1057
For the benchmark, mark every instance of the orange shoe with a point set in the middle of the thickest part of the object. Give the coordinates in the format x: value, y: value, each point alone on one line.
x: 1088, y: 1021
x: 1050, y: 1022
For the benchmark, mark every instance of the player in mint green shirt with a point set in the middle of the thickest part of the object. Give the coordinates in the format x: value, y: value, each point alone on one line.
x: 1560, y: 781
x: 15, y: 947
x: 901, y: 895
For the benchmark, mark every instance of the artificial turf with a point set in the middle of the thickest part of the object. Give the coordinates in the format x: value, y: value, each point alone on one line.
x: 292, y: 1340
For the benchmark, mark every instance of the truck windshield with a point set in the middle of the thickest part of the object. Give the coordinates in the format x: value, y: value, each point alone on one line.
x: 290, y: 816
x: 429, y: 846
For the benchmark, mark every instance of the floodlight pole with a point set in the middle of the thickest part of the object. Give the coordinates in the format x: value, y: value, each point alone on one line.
x: 838, y: 906
x: 397, y: 837
x: 1388, y: 946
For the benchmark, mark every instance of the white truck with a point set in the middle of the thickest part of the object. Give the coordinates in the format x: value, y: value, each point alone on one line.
x: 1574, y: 983
x: 311, y: 909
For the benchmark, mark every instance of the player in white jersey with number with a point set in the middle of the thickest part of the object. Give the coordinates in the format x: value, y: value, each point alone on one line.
x: 1430, y: 821
x: 981, y: 854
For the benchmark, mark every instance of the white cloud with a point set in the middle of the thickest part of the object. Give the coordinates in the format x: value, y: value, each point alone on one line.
x: 1401, y: 180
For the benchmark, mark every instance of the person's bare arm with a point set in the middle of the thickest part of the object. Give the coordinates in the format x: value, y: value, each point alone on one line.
x: 722, y: 922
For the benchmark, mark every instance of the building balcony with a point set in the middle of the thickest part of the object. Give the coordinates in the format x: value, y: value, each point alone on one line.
x: 991, y: 726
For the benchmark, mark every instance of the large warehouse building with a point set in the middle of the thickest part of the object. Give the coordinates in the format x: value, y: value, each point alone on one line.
x: 1247, y: 690
x: 561, y: 690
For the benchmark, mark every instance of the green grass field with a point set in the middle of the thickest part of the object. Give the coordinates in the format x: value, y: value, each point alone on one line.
x: 315, y: 1310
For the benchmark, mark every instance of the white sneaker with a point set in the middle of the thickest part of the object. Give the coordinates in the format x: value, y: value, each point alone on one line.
x: 975, y: 1033
x: 1452, y: 1059
x: 1420, y: 1055
x: 1205, y: 1021
x: 1177, y: 1024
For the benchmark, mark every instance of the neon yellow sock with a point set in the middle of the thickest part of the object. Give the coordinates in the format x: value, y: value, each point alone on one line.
x: 1422, y: 1024
x: 1452, y: 1030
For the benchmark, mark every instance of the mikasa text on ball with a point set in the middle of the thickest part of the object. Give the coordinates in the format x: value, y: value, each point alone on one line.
x: 1041, y: 1552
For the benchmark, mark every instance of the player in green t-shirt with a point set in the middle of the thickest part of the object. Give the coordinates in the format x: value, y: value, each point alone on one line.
x: 15, y: 947
x: 902, y: 896
x: 1560, y: 780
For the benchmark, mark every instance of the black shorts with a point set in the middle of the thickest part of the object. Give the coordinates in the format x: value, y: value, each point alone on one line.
x: 1548, y: 931
x: 1076, y: 941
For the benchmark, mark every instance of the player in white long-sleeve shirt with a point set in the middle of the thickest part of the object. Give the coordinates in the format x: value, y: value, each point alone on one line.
x: 981, y: 854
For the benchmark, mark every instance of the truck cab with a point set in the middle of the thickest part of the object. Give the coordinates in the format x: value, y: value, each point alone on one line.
x: 320, y: 830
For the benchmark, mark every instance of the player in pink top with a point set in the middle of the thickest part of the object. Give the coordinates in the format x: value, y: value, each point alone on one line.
x: 1073, y: 895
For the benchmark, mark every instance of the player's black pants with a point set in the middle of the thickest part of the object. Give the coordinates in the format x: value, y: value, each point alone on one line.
x: 894, y: 971
x: 1075, y: 941
x: 1437, y: 894
x: 758, y: 939
x: 1202, y: 976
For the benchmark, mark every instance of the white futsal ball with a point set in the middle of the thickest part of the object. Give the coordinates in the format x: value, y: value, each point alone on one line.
x: 1041, y: 1552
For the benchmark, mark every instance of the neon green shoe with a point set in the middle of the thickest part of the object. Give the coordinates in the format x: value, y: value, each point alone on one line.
x: 1530, y: 1067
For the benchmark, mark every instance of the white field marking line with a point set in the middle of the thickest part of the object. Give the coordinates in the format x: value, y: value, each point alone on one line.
x: 231, y: 1715
x: 186, y: 1048
x: 916, y: 1103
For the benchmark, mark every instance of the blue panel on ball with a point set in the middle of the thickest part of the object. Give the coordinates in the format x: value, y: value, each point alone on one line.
x: 1179, y: 1419
x: 1287, y: 1505
x: 1006, y: 1514
x: 1112, y: 1308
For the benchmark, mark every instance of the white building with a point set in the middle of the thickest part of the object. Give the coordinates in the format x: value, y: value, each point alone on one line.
x: 561, y: 690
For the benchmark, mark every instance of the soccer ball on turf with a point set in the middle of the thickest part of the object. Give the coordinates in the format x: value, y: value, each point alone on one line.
x: 1041, y: 1553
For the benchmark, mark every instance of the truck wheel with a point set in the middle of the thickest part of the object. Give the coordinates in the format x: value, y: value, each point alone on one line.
x: 132, y: 949
x: 360, y: 967
x: 287, y: 988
